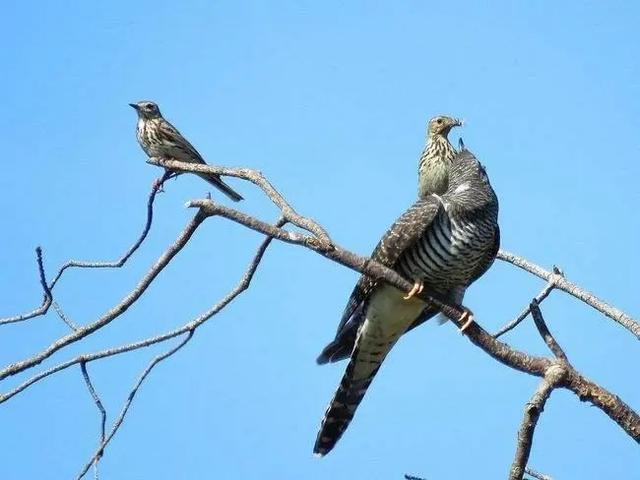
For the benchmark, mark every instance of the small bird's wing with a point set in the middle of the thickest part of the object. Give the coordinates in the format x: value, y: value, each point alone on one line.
x: 403, y: 234
x: 171, y: 136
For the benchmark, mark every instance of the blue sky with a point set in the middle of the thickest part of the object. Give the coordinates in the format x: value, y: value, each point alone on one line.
x: 330, y: 101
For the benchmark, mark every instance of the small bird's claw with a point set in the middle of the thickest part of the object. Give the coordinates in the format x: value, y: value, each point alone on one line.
x: 417, y: 288
x: 158, y: 184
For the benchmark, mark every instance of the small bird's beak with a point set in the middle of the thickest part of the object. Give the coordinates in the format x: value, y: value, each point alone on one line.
x: 459, y: 122
x: 134, y: 106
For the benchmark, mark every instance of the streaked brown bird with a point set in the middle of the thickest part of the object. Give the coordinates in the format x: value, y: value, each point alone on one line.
x: 443, y: 244
x: 434, y: 163
x: 158, y: 138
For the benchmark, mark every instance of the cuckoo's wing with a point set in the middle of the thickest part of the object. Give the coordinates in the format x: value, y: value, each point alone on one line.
x: 402, y: 235
x: 489, y: 258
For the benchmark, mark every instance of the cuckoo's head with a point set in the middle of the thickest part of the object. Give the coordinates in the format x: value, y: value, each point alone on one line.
x: 442, y: 125
x: 146, y: 109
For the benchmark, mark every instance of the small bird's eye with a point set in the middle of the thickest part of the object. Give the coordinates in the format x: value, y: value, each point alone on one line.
x: 439, y: 121
x: 149, y: 106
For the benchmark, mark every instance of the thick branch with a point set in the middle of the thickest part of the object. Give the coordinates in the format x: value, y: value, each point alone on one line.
x: 257, y: 178
x: 532, y: 412
x: 586, y: 390
x: 571, y: 288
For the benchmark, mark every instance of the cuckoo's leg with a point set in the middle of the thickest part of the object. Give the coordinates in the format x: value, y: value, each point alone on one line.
x: 468, y: 316
x: 417, y: 288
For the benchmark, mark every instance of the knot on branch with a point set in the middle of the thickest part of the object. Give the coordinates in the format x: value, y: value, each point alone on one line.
x: 556, y: 373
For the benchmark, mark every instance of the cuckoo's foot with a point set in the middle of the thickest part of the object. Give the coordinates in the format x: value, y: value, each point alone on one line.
x: 417, y: 288
x: 468, y: 316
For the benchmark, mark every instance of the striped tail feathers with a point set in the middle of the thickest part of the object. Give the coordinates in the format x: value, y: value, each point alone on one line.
x: 338, y: 349
x: 365, y: 362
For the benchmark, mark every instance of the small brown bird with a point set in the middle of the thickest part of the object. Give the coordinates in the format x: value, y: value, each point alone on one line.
x: 158, y: 138
x: 434, y: 163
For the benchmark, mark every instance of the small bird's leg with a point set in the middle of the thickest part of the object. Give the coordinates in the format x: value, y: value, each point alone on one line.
x: 417, y: 288
x: 468, y: 315
x: 158, y: 183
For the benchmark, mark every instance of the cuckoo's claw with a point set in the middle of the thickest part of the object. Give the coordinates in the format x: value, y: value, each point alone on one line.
x: 417, y: 288
x: 466, y: 315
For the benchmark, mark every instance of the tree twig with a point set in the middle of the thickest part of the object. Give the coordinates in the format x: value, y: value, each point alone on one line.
x: 47, y: 288
x: 553, y: 377
x: 46, y: 301
x: 257, y: 178
x: 99, y: 406
x: 242, y: 286
x: 155, y: 189
x: 537, y: 475
x: 127, y: 404
x: 114, y: 312
x: 63, y: 316
x: 544, y: 332
x: 548, y: 288
x: 571, y: 288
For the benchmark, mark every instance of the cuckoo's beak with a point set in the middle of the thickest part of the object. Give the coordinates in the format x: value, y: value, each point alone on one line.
x: 134, y: 106
x: 458, y: 123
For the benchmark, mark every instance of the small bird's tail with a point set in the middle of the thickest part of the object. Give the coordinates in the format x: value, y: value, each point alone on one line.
x: 217, y: 182
x: 363, y: 366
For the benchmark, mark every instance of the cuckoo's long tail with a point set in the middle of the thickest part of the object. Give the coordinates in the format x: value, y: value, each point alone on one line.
x: 363, y: 366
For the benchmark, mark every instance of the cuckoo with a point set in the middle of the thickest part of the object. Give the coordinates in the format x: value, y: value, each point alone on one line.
x: 433, y: 177
x: 442, y: 244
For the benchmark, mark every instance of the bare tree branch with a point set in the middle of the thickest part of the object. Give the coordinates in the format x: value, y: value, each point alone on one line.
x: 100, y: 406
x: 46, y: 301
x: 127, y: 404
x: 556, y: 373
x: 257, y: 178
x: 48, y: 297
x: 553, y: 377
x: 63, y: 316
x: 544, y: 332
x: 242, y: 285
x: 537, y: 475
x: 571, y: 288
x: 155, y: 189
x: 585, y: 389
x: 116, y: 311
x: 539, y: 298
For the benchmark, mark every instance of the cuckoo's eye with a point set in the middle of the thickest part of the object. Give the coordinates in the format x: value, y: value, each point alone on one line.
x: 439, y: 121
